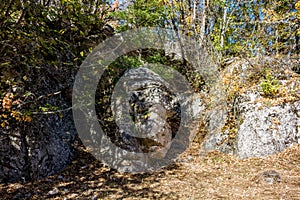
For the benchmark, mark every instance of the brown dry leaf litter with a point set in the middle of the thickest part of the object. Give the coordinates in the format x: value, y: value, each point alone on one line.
x: 210, y: 176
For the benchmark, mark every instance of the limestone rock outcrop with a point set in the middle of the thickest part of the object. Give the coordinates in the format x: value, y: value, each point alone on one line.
x: 263, y: 109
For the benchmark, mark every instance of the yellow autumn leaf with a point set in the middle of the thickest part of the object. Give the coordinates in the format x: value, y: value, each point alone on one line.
x: 297, y: 5
x: 3, y: 124
x: 189, y: 20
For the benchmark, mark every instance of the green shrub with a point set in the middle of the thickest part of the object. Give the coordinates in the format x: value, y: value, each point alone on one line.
x: 270, y: 86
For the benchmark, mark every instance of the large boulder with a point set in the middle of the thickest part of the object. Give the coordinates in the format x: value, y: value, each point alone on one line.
x: 154, y: 111
x: 146, y: 127
x: 267, y: 130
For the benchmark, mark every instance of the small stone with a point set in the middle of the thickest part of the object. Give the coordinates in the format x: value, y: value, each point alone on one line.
x: 189, y: 158
x: 269, y: 176
x: 53, y: 192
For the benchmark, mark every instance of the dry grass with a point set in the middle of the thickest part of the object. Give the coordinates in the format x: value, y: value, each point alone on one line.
x: 210, y: 176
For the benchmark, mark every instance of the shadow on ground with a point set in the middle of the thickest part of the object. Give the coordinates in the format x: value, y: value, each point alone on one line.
x: 211, y: 175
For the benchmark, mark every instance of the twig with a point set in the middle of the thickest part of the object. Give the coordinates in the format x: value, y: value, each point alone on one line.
x: 51, y: 112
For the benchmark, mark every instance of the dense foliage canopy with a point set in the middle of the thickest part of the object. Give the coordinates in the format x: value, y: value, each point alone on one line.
x: 44, y: 41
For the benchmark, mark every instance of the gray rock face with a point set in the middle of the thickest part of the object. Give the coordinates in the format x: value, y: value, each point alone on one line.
x: 262, y: 130
x: 267, y: 130
x: 150, y: 129
x: 218, y: 141
x: 256, y: 125
x: 46, y: 150
x: 152, y: 114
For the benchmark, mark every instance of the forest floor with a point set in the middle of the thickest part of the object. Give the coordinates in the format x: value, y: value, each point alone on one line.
x: 195, y: 175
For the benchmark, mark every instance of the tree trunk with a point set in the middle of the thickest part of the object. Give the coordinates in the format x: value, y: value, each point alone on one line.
x: 203, y: 19
x: 223, y: 27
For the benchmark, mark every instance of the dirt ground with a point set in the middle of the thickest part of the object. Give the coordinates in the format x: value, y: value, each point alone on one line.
x: 210, y: 175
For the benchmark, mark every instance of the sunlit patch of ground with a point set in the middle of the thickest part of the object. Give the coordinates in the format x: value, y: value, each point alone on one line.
x: 194, y: 176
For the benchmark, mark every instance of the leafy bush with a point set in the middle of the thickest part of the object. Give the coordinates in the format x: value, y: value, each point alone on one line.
x: 42, y: 45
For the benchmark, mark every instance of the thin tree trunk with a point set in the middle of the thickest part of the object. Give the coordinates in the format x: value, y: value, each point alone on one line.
x: 223, y: 29
x: 203, y: 20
